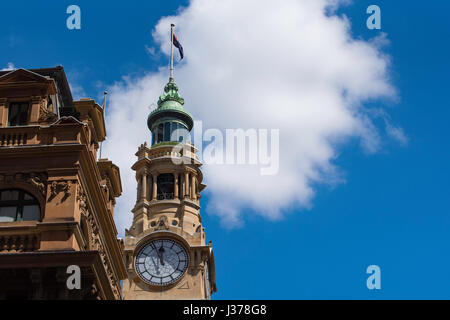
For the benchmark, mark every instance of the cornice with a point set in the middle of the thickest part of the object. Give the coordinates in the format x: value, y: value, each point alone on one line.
x: 108, y: 230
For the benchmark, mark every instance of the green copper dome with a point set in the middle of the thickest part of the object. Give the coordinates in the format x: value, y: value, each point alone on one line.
x: 170, y: 105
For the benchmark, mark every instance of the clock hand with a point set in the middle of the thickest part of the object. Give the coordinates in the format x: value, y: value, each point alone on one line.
x: 160, y: 255
x: 156, y: 267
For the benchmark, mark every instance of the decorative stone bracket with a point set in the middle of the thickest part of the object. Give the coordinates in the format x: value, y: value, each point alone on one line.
x: 57, y: 187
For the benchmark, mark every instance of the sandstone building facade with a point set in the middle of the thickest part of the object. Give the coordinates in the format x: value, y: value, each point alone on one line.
x: 56, y: 198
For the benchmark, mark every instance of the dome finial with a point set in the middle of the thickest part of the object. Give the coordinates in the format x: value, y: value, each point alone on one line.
x: 170, y: 93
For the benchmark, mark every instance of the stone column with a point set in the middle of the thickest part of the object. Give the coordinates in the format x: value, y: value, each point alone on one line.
x: 175, y: 187
x: 148, y: 196
x: 35, y: 106
x: 143, y: 185
x: 155, y: 191
x: 3, y: 113
x: 186, y: 184
x: 138, y: 191
x: 182, y: 186
x: 193, y: 196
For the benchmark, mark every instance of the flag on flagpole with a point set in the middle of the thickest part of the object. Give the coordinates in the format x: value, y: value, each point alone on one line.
x: 177, y: 44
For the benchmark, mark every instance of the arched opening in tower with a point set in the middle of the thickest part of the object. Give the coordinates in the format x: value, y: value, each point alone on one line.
x: 165, y: 184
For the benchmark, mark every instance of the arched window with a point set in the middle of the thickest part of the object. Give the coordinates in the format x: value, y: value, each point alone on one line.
x: 18, y: 205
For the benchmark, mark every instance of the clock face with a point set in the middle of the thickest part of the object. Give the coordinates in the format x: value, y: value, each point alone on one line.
x: 161, y: 262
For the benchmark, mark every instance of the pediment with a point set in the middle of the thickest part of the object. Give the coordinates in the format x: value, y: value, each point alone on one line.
x: 22, y: 75
x: 67, y: 120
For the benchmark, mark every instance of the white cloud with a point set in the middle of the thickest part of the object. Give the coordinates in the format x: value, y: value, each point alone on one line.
x: 396, y: 133
x: 290, y: 65
x: 150, y: 50
x: 10, y: 66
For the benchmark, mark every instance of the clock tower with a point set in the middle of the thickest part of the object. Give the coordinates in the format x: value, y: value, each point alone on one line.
x: 166, y: 254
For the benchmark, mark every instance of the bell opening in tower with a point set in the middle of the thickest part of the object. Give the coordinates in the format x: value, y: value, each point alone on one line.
x: 165, y: 184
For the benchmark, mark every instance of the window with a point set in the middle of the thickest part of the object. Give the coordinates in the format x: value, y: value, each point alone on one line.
x: 173, y: 132
x: 18, y: 114
x: 159, y: 133
x: 153, y: 138
x: 179, y: 133
x: 18, y: 205
x: 167, y: 131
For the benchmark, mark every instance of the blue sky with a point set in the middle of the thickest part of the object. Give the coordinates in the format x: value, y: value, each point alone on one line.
x: 392, y: 210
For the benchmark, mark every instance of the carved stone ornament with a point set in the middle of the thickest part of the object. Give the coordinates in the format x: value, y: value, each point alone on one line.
x: 37, y: 180
x: 46, y: 110
x: 60, y: 186
x: 162, y: 224
x: 94, y: 242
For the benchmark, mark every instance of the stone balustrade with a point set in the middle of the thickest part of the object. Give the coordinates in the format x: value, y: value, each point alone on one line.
x: 19, y: 243
x: 37, y: 135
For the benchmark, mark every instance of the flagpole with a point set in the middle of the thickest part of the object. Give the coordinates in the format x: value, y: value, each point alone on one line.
x: 171, y: 51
